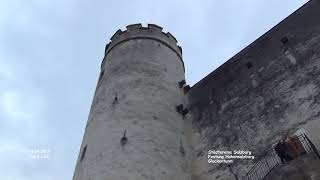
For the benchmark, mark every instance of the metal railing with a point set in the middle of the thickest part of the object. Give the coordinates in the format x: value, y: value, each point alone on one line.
x: 270, y: 160
x: 263, y: 166
x: 309, y: 143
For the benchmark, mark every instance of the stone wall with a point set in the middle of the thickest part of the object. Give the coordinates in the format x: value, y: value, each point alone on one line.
x: 137, y: 92
x: 269, y: 89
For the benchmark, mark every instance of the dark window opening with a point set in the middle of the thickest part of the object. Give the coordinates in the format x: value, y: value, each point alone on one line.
x: 83, y: 153
x: 179, y: 108
x: 181, y: 83
x: 186, y: 89
x: 185, y: 112
x: 249, y: 65
x: 101, y: 74
x: 284, y: 40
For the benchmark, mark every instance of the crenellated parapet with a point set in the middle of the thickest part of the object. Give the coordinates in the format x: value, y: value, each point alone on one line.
x: 137, y: 31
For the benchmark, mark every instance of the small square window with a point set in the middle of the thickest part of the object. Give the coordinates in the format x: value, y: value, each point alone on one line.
x: 249, y: 65
x: 284, y: 40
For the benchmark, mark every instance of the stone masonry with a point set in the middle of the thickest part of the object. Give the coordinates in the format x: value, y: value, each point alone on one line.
x: 146, y: 123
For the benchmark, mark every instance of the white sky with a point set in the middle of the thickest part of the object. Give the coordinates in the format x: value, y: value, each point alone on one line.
x: 50, y: 55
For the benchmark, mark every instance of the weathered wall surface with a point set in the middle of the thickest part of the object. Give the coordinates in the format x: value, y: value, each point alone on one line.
x: 142, y: 67
x: 269, y: 89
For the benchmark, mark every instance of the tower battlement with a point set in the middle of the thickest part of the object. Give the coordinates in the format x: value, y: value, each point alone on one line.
x: 137, y: 31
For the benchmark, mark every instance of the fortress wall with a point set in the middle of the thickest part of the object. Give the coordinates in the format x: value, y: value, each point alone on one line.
x: 269, y: 89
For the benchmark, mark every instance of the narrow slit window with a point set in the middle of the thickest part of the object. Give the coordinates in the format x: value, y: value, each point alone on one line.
x: 101, y: 74
x: 83, y: 153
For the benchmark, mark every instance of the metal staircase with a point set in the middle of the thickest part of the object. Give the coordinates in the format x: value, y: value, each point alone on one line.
x: 270, y: 160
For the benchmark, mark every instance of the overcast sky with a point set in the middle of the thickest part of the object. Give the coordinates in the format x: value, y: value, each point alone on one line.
x: 51, y: 51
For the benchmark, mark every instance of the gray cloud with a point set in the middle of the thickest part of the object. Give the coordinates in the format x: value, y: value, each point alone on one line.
x: 50, y: 54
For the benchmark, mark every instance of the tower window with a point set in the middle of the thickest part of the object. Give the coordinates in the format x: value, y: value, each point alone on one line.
x: 249, y: 65
x: 179, y: 108
x: 101, y: 74
x: 181, y: 83
x: 83, y: 153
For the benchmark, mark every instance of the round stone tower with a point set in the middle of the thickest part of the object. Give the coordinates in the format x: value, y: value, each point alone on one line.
x: 135, y: 128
